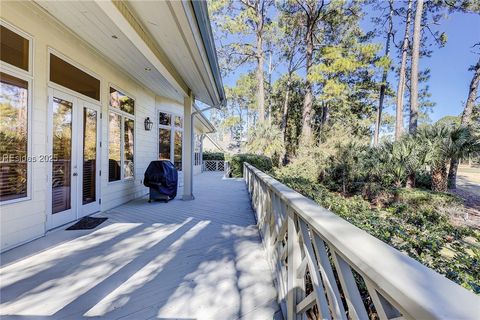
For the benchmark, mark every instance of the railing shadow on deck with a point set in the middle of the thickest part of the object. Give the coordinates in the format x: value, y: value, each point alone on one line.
x: 155, y: 269
x: 327, y: 268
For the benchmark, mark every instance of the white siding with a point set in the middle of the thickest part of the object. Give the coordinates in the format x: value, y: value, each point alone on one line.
x: 23, y: 221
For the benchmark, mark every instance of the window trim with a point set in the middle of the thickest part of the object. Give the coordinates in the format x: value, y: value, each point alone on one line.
x: 122, y: 115
x: 7, y: 66
x: 77, y: 65
x: 10, y: 70
x: 121, y: 112
x: 172, y: 129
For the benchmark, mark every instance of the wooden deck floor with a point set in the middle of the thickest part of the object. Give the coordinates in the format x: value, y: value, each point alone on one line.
x: 200, y: 259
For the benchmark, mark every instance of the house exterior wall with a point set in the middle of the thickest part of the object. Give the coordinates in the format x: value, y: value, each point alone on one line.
x: 25, y: 220
x: 171, y: 106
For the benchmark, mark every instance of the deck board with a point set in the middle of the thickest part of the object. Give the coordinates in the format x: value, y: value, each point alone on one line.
x: 200, y: 259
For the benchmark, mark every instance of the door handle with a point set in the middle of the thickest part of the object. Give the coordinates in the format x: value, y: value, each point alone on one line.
x: 75, y: 174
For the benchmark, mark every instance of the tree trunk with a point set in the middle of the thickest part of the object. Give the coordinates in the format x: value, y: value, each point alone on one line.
x: 379, y: 113
x: 439, y: 178
x: 452, y: 173
x: 260, y: 75
x: 308, y: 100
x: 472, y: 95
x: 242, y: 128
x: 417, y: 29
x: 270, y: 70
x: 285, y: 121
x: 466, y: 120
x: 410, y: 181
x: 402, y: 75
x: 324, y: 114
x: 383, y: 87
x: 285, y: 108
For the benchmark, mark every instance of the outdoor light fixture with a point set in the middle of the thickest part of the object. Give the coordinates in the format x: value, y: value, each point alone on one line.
x: 148, y: 124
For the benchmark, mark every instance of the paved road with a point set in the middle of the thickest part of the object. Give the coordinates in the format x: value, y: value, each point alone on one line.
x: 468, y: 187
x: 468, y: 180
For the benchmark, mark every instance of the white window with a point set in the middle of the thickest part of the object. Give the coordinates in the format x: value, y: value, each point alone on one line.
x: 15, y: 102
x: 121, y: 136
x: 170, y: 137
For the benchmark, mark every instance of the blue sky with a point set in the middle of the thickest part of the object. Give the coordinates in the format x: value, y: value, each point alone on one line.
x: 449, y: 65
x: 450, y: 77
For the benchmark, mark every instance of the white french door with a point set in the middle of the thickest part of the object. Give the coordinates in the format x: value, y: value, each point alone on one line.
x: 74, y: 152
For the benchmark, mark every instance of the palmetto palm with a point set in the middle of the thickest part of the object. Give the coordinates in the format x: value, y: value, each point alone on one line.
x: 402, y: 158
x: 463, y: 143
x: 437, y: 142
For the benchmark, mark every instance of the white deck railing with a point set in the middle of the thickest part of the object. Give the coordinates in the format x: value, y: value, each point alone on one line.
x: 320, y: 259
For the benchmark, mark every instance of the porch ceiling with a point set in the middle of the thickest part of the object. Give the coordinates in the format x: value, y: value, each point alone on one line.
x: 173, y: 26
x: 167, y: 25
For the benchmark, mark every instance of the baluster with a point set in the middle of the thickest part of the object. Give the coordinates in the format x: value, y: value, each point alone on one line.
x: 384, y: 309
x: 314, y: 274
x: 356, y: 309
x: 328, y: 278
x: 282, y: 229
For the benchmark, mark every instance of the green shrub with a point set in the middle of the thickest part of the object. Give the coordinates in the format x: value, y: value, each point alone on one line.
x: 412, y: 223
x: 236, y: 161
x: 213, y: 156
x: 419, y: 199
x: 423, y: 179
x: 309, y: 164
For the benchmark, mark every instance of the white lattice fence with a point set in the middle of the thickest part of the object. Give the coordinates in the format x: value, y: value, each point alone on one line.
x: 213, y: 165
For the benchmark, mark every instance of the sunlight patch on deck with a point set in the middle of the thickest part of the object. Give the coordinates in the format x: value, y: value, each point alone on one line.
x: 200, y: 259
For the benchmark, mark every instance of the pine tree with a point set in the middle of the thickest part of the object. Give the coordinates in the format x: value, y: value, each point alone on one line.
x: 402, y: 74
x: 242, y: 19
x: 384, y: 85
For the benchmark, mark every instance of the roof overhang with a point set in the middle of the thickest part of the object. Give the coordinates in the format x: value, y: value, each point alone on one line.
x: 165, y: 45
x: 206, y: 124
x: 203, y: 20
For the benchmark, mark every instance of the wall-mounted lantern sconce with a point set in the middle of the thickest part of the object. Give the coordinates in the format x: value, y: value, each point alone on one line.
x: 148, y: 124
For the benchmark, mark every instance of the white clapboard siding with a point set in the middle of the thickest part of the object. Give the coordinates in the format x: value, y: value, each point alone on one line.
x: 24, y: 221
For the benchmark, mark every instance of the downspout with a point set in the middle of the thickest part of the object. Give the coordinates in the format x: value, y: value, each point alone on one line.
x: 192, y: 134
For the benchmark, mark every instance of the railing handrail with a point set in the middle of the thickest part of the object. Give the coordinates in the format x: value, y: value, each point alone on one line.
x: 416, y: 290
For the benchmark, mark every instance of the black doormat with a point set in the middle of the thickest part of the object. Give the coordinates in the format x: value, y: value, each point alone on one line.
x: 87, y: 223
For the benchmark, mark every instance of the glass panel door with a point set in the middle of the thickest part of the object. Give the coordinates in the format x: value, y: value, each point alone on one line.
x: 89, y: 140
x: 62, y: 155
x: 63, y: 145
x: 75, y: 167
x: 89, y: 156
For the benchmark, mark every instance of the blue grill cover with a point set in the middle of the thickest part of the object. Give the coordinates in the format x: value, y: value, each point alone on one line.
x: 162, y: 176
